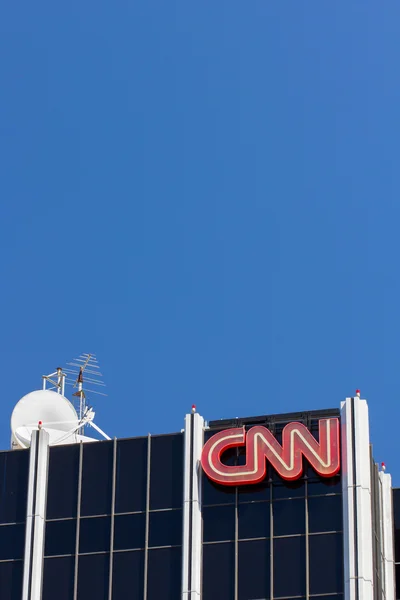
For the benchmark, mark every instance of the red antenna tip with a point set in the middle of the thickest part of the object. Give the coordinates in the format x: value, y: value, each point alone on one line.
x: 358, y: 392
x: 193, y: 408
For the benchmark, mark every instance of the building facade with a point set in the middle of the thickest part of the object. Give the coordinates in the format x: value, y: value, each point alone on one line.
x: 278, y: 507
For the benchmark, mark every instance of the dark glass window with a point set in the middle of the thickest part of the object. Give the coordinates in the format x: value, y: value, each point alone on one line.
x: 129, y: 531
x: 97, y: 478
x: 12, y: 540
x: 326, y: 558
x: 397, y: 546
x: 217, y: 494
x: 396, y: 507
x: 164, y: 574
x: 288, y: 489
x: 93, y: 570
x: 290, y: 557
x: 218, y: 523
x: 397, y: 567
x: 58, y: 578
x: 289, y: 517
x: 130, y: 495
x: 253, y: 493
x: 11, y: 579
x: 218, y: 571
x: 166, y: 473
x: 94, y: 534
x: 62, y: 494
x: 254, y: 569
x: 254, y: 520
x: 60, y: 537
x: 165, y: 528
x: 325, y: 513
x: 14, y: 467
x: 128, y: 574
x: 321, y: 486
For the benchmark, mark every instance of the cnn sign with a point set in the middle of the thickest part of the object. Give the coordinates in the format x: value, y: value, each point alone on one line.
x: 261, y: 446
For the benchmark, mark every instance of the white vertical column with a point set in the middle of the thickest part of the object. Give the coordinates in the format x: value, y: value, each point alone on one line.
x: 35, y: 516
x: 387, y: 535
x: 357, y: 507
x: 192, y: 519
x: 186, y: 554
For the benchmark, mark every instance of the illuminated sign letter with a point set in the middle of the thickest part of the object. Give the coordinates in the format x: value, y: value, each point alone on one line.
x: 261, y: 446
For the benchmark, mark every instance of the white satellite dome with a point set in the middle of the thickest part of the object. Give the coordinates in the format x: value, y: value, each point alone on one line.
x: 55, y: 413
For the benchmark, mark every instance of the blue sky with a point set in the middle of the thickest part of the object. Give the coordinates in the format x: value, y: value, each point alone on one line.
x: 206, y: 195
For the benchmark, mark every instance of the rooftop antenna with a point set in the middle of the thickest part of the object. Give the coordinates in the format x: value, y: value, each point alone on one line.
x: 85, y: 370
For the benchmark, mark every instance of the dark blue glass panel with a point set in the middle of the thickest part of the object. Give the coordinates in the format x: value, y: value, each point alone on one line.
x: 131, y: 475
x: 128, y: 574
x: 289, y: 517
x: 254, y: 493
x: 289, y: 557
x: 12, y: 540
x: 217, y: 494
x: 14, y: 467
x: 325, y: 514
x: 62, y: 494
x: 396, y: 507
x: 93, y: 576
x: 396, y: 513
x: 397, y: 569
x: 254, y: 569
x: 295, y: 489
x: 326, y: 563
x: 58, y: 578
x: 218, y: 571
x: 129, y: 531
x: 11, y: 579
x: 164, y: 574
x: 94, y: 534
x: 165, y: 528
x: 218, y: 523
x: 321, y: 486
x: 60, y: 537
x: 254, y: 520
x: 166, y: 473
x: 97, y: 478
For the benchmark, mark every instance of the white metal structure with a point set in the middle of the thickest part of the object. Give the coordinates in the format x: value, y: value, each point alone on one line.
x: 192, y: 516
x: 35, y: 516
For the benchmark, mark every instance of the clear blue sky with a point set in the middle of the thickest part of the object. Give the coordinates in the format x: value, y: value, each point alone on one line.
x: 206, y: 195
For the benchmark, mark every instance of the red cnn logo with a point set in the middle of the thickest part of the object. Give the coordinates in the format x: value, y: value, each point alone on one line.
x: 286, y: 459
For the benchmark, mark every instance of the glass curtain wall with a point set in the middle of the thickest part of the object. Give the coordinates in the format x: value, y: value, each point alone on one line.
x: 114, y: 520
x: 14, y: 468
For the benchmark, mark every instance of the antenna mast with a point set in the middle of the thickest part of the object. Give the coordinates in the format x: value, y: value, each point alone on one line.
x: 85, y: 364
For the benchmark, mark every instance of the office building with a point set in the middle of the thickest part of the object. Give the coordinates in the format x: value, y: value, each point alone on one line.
x: 276, y: 507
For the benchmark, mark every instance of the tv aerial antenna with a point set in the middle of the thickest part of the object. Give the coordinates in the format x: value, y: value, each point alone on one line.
x: 84, y: 374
